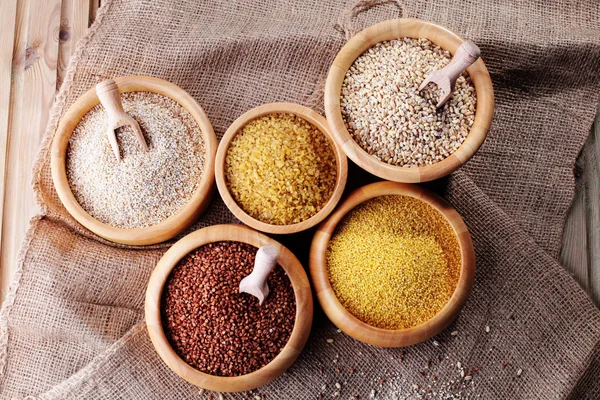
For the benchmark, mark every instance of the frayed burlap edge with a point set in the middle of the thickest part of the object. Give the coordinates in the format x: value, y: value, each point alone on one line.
x: 42, y: 155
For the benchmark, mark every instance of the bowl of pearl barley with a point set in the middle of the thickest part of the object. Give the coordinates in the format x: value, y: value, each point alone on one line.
x: 381, y: 119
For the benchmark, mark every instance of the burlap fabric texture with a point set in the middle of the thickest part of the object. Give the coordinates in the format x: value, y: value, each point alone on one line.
x: 72, y: 326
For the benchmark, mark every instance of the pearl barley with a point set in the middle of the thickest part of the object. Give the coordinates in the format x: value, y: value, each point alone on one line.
x: 387, y: 116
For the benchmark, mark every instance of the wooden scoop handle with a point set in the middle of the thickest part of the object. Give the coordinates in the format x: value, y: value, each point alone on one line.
x: 466, y: 54
x: 256, y: 283
x: 108, y: 93
x: 266, y: 259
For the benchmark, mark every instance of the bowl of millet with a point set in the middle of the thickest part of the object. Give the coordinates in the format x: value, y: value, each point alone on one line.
x: 212, y: 335
x: 144, y: 197
x: 278, y: 168
x: 384, y: 123
x: 393, y: 265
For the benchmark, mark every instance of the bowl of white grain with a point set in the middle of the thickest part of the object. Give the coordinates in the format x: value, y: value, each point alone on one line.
x: 382, y: 121
x: 145, y: 197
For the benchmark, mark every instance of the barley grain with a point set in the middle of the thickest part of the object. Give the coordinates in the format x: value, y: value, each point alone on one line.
x: 387, y: 116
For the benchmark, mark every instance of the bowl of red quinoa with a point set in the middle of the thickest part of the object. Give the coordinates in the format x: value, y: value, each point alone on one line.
x: 393, y: 265
x: 145, y: 197
x: 381, y: 120
x: 278, y: 168
x: 210, y: 334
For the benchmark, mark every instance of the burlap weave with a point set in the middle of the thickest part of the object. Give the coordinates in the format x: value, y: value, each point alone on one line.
x: 72, y: 325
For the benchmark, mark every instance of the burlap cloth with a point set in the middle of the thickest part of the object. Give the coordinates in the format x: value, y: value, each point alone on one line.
x: 72, y: 325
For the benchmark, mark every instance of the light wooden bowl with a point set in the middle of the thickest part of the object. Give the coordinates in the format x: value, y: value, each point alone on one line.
x: 302, y: 324
x: 173, y: 225
x: 390, y: 30
x: 354, y: 327
x: 312, y: 117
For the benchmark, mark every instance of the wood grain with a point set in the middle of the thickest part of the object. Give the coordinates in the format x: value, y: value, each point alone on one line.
x: 300, y: 332
x: 8, y: 20
x: 354, y: 327
x: 312, y: 117
x: 580, y: 252
x: 173, y: 225
x: 592, y: 191
x: 94, y: 5
x: 574, y: 253
x: 74, y: 22
x: 389, y: 30
x: 34, y: 76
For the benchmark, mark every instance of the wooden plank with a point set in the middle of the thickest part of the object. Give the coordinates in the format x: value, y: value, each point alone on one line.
x: 75, y: 15
x: 94, y: 5
x: 574, y: 251
x: 8, y: 18
x: 592, y: 188
x: 35, y: 72
x: 19, y: 60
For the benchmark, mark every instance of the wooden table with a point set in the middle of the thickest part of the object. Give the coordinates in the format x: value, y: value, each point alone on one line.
x: 37, y: 40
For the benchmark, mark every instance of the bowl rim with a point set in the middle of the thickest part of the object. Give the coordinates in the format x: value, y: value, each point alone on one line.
x: 177, y: 222
x: 390, y: 30
x: 360, y: 330
x: 303, y: 316
x: 312, y: 117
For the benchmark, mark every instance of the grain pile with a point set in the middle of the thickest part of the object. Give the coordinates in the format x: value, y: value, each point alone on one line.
x: 393, y: 262
x: 144, y: 188
x: 280, y: 169
x: 387, y: 116
x: 212, y: 326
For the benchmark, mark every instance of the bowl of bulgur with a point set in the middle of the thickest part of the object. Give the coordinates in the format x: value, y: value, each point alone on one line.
x: 212, y: 335
x: 145, y: 197
x: 381, y: 120
x: 393, y: 265
x: 278, y: 168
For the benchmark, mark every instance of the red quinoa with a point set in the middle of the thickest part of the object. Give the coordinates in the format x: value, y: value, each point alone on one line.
x: 211, y: 325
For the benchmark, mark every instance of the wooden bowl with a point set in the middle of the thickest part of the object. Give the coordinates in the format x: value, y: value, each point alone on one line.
x: 173, y: 225
x: 354, y: 327
x: 316, y: 120
x: 302, y: 324
x: 390, y: 30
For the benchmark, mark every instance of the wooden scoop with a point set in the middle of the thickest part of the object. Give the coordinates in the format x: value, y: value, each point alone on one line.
x: 256, y: 283
x: 445, y: 78
x: 108, y: 93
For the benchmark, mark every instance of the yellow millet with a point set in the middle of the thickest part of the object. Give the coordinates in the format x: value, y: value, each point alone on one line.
x: 280, y: 169
x: 393, y: 262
